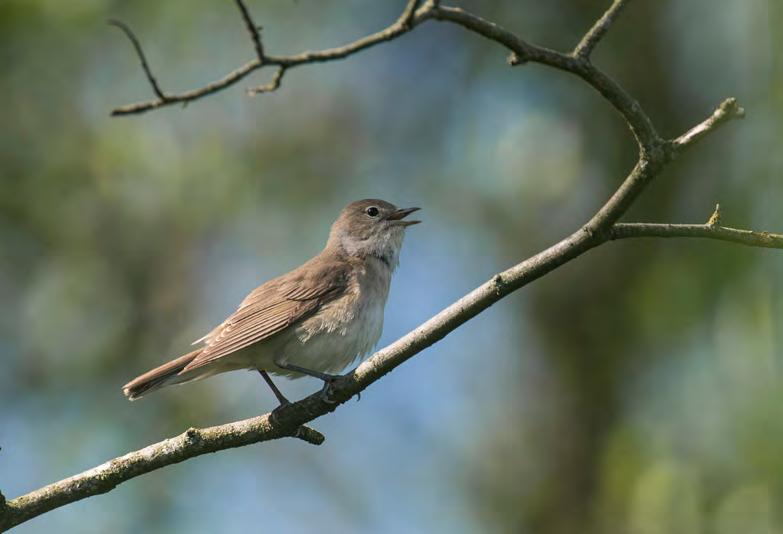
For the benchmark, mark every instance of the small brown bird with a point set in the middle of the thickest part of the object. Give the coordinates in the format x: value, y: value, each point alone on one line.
x: 316, y: 320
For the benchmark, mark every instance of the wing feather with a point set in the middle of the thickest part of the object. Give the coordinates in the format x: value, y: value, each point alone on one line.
x: 274, y: 306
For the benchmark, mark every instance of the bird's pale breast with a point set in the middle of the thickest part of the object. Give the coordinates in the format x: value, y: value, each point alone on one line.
x: 344, y: 329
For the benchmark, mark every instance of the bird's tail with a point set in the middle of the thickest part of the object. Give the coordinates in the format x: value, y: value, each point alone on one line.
x: 158, y: 377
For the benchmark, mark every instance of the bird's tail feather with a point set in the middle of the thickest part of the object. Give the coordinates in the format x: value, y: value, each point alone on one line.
x: 158, y: 377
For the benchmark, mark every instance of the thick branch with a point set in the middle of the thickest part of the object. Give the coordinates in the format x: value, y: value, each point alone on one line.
x: 705, y: 231
x: 522, y: 52
x: 599, y: 29
x: 273, y: 85
x: 189, y: 444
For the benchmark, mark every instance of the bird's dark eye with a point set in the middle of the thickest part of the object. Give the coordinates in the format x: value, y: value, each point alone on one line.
x: 372, y: 211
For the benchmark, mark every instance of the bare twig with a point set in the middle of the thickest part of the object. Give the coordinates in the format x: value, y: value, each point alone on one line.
x: 252, y: 29
x: 714, y: 219
x: 139, y: 52
x: 389, y: 33
x: 524, y: 52
x: 708, y: 231
x: 728, y: 109
x: 599, y: 29
x: 273, y: 85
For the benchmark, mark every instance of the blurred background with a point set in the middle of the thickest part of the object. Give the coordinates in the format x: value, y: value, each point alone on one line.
x: 637, y: 389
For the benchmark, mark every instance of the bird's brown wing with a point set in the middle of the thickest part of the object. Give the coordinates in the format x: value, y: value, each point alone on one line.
x: 273, y: 306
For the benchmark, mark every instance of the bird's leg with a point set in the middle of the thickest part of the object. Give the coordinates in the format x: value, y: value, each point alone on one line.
x: 280, y: 397
x: 327, y: 378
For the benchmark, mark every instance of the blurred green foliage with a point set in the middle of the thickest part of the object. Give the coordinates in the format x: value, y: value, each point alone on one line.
x: 637, y: 389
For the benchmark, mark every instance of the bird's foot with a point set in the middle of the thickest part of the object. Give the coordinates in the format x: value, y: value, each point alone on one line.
x: 328, y: 389
x: 274, y: 416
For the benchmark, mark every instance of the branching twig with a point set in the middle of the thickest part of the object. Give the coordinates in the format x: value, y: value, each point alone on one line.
x: 139, y: 52
x: 599, y: 29
x: 399, y: 27
x: 654, y: 155
x: 729, y: 109
x: 273, y: 85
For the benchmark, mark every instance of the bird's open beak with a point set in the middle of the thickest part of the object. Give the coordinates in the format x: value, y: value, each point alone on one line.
x: 397, y: 216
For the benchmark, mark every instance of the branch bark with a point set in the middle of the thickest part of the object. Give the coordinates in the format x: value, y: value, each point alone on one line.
x: 599, y: 29
x: 290, y: 420
x: 252, y: 29
x: 706, y: 231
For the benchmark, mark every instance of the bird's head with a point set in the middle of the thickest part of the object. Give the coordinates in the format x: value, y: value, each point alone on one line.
x: 371, y: 227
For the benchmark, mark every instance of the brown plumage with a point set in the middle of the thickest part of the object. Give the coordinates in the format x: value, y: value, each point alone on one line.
x: 314, y: 319
x: 154, y: 378
x: 274, y: 306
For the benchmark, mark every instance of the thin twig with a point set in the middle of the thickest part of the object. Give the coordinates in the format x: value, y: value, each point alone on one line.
x: 407, y: 15
x: 192, y: 95
x: 728, y: 109
x: 252, y: 29
x: 714, y: 219
x: 633, y: 113
x: 139, y: 52
x: 273, y: 85
x: 723, y: 233
x: 389, y: 33
x: 599, y: 29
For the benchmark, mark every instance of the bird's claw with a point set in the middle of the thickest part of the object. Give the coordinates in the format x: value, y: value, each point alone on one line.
x: 327, y: 390
x: 274, y: 416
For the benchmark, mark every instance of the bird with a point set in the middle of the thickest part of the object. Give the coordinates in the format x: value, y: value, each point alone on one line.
x: 315, y: 320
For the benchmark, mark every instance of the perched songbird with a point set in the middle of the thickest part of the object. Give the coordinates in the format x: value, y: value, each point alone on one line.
x: 316, y: 320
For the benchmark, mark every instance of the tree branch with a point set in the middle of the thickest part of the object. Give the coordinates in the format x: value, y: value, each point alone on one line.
x: 728, y: 109
x: 523, y: 52
x: 406, y: 19
x: 723, y: 233
x: 139, y: 52
x: 252, y: 29
x: 402, y: 25
x: 599, y: 29
x: 273, y: 85
x: 289, y: 420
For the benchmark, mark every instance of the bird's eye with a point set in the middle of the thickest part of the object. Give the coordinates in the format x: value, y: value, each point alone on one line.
x: 372, y: 211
